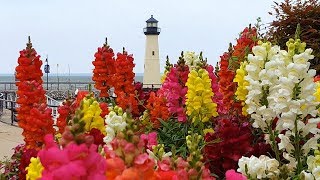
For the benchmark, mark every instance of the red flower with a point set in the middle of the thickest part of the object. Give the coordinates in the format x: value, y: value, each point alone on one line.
x: 27, y: 154
x: 124, y: 83
x: 65, y: 113
x: 29, y: 65
x: 104, y: 70
x: 97, y: 136
x: 229, y: 63
x: 104, y: 108
x: 234, y: 142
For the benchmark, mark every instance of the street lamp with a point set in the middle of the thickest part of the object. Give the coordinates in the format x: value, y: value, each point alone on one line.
x: 58, y: 75
x: 47, y: 71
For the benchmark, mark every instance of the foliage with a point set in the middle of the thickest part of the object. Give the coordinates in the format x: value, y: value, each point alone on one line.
x: 173, y: 134
x: 288, y: 15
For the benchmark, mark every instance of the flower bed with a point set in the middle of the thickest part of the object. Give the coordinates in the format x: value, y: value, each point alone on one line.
x: 254, y: 116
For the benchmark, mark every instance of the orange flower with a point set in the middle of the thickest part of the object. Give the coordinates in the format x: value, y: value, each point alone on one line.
x: 115, y: 167
x: 157, y: 108
x: 229, y: 63
x: 124, y: 83
x: 29, y: 65
x: 104, y: 70
x: 65, y: 113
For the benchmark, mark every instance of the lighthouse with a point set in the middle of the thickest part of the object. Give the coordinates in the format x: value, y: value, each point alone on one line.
x: 151, y: 76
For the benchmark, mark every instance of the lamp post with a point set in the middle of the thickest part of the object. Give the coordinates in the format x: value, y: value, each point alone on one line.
x: 58, y: 75
x: 47, y: 71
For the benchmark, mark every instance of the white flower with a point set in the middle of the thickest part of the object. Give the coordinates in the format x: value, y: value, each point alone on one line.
x: 262, y: 167
x: 260, y: 51
x: 316, y: 172
x: 274, y: 50
x: 312, y: 143
x: 285, y: 143
x: 311, y: 161
x: 118, y: 123
x: 272, y: 167
x: 192, y: 60
x: 110, y: 135
x: 292, y: 161
x: 307, y: 176
x: 311, y: 127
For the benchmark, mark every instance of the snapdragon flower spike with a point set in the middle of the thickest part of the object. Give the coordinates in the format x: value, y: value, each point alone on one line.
x: 34, y: 169
x: 281, y: 85
x: 166, y: 70
x: 242, y: 91
x: 217, y: 98
x: 65, y: 113
x: 29, y: 65
x: 30, y: 92
x: 157, y: 109
x: 116, y: 122
x: 124, y: 83
x: 248, y: 39
x: 199, y: 104
x: 33, y: 115
x: 259, y: 168
x: 226, y: 86
x: 104, y: 70
x: 72, y: 162
x: 90, y: 110
x: 174, y: 90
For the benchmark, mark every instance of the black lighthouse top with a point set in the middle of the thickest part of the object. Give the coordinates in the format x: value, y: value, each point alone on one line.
x: 152, y: 27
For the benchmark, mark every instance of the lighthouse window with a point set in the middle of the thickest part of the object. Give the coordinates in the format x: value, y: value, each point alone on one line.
x: 152, y: 53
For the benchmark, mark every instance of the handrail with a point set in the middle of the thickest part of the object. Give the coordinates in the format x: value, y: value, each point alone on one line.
x: 12, y: 108
x: 12, y: 105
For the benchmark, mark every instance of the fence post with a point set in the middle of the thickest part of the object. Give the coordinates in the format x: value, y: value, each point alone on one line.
x: 12, y: 112
x: 6, y: 97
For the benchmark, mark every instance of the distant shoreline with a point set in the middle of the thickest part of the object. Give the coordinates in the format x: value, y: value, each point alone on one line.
x: 66, y: 74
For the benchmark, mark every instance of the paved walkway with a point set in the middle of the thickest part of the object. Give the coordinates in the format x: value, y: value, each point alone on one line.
x: 10, y: 137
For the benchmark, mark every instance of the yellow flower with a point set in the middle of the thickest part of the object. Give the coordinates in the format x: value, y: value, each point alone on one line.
x: 242, y: 91
x: 210, y: 130
x: 199, y: 102
x: 34, y: 169
x: 91, y: 115
x: 317, y: 93
x: 164, y: 76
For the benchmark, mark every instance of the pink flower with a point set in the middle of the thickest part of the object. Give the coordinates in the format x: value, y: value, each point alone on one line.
x: 149, y: 139
x: 181, y: 163
x: 143, y: 162
x: 232, y: 175
x: 165, y: 164
x: 217, y: 98
x: 72, y: 162
x: 174, y: 90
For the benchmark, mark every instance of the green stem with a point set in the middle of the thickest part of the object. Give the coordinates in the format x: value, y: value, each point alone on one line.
x: 274, y: 143
x: 297, y: 146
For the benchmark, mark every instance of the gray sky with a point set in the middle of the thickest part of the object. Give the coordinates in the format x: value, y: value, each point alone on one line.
x: 70, y: 31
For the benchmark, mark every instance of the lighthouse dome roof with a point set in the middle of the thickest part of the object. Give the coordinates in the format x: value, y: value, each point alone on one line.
x: 151, y: 20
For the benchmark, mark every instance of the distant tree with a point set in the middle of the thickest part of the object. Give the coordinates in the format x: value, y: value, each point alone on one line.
x: 288, y: 15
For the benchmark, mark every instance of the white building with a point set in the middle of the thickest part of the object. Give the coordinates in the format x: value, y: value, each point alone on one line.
x: 151, y: 76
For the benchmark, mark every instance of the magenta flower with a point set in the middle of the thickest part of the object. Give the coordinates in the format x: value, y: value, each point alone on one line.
x: 149, y: 139
x: 72, y: 162
x: 233, y: 175
x: 174, y: 90
x: 217, y: 98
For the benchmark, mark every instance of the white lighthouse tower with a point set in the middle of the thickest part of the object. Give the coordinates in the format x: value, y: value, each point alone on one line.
x: 151, y: 76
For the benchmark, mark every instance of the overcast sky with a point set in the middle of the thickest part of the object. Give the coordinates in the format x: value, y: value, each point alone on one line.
x: 70, y: 31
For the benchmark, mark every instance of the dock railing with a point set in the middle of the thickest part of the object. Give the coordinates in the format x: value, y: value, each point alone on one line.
x: 11, y: 86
